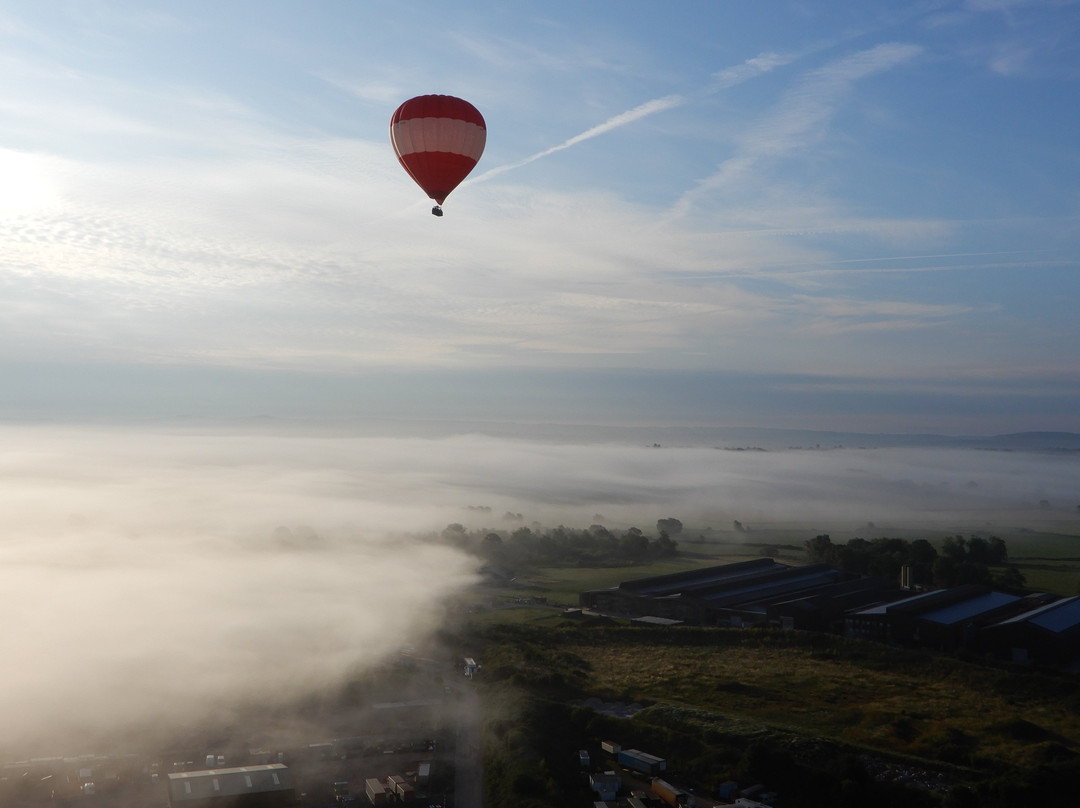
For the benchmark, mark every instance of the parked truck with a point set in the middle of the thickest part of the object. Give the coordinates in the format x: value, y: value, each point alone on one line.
x: 668, y: 793
x: 639, y: 761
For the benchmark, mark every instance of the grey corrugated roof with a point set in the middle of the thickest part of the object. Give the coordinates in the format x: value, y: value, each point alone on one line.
x: 209, y: 783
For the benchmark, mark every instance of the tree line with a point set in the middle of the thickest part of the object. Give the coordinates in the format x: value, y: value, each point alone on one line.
x: 974, y: 560
x: 595, y: 546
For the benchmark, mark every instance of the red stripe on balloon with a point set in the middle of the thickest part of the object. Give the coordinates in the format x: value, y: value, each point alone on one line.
x: 442, y: 172
x: 438, y: 106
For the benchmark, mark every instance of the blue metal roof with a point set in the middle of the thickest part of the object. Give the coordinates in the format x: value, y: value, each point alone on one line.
x: 772, y: 587
x: 881, y: 608
x: 1061, y: 616
x: 968, y: 609
x: 1057, y: 616
x: 706, y: 576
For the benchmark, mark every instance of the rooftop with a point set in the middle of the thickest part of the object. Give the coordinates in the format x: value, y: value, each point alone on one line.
x: 969, y: 609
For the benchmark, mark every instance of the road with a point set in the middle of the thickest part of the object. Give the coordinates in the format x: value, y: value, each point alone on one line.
x: 469, y: 769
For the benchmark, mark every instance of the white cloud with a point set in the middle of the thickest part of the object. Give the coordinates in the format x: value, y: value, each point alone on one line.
x: 28, y: 182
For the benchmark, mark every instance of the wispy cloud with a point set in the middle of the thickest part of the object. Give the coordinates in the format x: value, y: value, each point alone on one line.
x: 1007, y: 5
x: 840, y: 314
x: 385, y: 90
x: 750, y: 69
x: 798, y: 120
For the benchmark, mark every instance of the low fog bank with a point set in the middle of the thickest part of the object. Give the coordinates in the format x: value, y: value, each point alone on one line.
x: 623, y: 484
x: 149, y: 580
x: 155, y: 576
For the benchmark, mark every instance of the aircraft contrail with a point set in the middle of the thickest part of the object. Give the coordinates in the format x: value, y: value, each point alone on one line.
x: 637, y: 113
x: 722, y: 80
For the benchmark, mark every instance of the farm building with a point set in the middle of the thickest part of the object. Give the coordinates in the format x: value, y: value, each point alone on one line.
x: 824, y: 608
x: 743, y: 593
x: 944, y: 619
x: 1048, y: 633
x: 269, y: 786
x: 674, y: 595
x: 816, y: 597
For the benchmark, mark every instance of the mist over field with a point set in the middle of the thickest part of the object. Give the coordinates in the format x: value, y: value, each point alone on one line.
x: 157, y: 575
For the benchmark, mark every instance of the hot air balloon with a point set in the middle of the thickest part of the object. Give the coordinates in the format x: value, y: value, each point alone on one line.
x: 438, y: 139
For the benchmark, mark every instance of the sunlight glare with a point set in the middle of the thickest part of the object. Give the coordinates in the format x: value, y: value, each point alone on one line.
x: 24, y: 182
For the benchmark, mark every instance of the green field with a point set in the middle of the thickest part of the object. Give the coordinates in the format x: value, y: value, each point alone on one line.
x: 561, y: 585
x: 518, y: 601
x: 1050, y: 562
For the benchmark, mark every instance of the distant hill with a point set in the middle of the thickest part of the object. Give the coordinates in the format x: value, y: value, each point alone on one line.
x: 1029, y: 441
x: 771, y: 439
x: 744, y: 438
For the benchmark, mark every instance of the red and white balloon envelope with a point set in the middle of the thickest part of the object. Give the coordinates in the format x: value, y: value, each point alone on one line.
x: 438, y: 139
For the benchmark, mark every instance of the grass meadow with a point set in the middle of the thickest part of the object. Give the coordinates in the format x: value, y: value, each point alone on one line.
x: 855, y: 693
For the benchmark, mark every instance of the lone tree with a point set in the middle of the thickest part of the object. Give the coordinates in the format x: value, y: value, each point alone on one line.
x: 820, y: 549
x: 673, y: 527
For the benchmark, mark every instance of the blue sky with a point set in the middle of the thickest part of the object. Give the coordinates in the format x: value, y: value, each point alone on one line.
x: 844, y: 215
